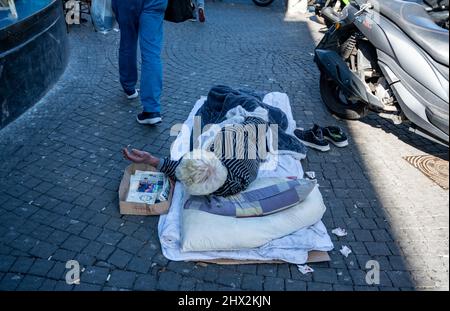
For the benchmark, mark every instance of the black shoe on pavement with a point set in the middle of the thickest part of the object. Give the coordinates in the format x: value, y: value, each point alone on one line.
x: 313, y: 138
x: 151, y: 118
x: 133, y: 95
x: 335, y: 135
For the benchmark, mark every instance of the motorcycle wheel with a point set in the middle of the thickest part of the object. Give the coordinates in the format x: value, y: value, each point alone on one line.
x: 262, y: 2
x: 335, y: 101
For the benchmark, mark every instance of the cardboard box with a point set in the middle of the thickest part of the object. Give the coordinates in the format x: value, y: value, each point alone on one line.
x: 313, y: 256
x: 131, y: 208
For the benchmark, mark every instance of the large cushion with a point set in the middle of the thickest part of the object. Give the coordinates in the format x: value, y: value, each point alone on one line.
x: 202, y: 231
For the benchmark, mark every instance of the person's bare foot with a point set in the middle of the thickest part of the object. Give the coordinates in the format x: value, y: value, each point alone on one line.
x: 201, y: 15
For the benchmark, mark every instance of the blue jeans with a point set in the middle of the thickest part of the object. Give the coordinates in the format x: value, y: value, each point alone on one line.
x: 143, y: 20
x: 199, y: 4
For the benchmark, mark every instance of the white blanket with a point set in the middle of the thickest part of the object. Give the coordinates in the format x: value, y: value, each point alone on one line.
x: 292, y: 248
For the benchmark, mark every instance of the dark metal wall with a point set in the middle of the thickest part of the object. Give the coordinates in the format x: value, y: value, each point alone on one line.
x: 33, y: 55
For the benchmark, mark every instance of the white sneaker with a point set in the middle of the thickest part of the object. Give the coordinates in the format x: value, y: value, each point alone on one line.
x: 134, y: 95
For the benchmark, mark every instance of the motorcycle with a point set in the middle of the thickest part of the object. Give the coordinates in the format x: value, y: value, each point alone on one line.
x: 262, y: 2
x: 268, y: 2
x: 328, y: 11
x: 388, y: 56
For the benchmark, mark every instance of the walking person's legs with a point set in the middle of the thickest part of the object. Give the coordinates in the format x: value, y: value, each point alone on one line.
x: 127, y: 15
x: 150, y: 42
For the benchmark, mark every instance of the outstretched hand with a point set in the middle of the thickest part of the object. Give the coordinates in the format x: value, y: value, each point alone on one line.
x: 139, y: 156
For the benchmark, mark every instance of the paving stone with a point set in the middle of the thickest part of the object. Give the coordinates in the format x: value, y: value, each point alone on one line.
x: 316, y: 287
x: 293, y: 285
x: 284, y: 271
x: 273, y: 284
x: 122, y: 279
x: 358, y: 248
x: 6, y: 262
x: 105, y: 252
x: 97, y: 219
x: 160, y: 259
x: 75, y: 243
x: 342, y: 288
x: 43, y: 250
x: 145, y: 283
x: 63, y: 255
x: 48, y: 285
x: 63, y: 286
x: 85, y: 260
x: 377, y: 248
x: 94, y: 275
x: 130, y: 244
x: 10, y: 281
x: 57, y: 237
x: 87, y: 287
x: 397, y: 262
x: 206, y: 286
x: 110, y: 237
x: 58, y: 271
x: 250, y: 269
x: 168, y: 281
x: 138, y: 264
x: 113, y: 224
x: 93, y: 248
x: 181, y: 267
x: 366, y: 288
x: 41, y: 267
x: 358, y: 277
x: 381, y: 235
x: 363, y: 235
x: 400, y: 278
x: 252, y: 282
x: 75, y: 226
x: 30, y: 283
x: 230, y: 278
x: 120, y: 258
x: 297, y: 275
x: 22, y: 265
x: 267, y: 270
x: 188, y: 284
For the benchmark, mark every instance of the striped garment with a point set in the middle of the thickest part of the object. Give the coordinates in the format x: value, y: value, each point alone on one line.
x: 239, y: 154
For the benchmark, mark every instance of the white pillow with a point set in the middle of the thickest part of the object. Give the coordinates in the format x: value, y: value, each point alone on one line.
x: 202, y: 231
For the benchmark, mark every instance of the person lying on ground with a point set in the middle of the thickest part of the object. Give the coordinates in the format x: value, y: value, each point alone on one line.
x: 225, y: 168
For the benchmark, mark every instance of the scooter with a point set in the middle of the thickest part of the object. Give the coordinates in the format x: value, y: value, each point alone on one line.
x: 328, y: 11
x: 388, y: 56
x: 262, y: 2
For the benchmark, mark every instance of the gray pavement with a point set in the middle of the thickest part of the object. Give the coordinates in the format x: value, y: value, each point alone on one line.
x: 60, y: 169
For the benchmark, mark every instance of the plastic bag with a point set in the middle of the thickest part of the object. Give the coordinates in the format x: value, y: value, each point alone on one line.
x: 102, y: 15
x: 179, y: 11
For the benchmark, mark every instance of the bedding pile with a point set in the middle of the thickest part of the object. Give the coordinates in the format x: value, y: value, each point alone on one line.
x: 197, y: 229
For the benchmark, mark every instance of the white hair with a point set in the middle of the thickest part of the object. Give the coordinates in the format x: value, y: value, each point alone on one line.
x: 201, y: 172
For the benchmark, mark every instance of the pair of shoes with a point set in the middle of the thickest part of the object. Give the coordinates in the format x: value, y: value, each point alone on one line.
x: 318, y: 137
x: 133, y: 95
x: 201, y: 15
x: 150, y: 118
